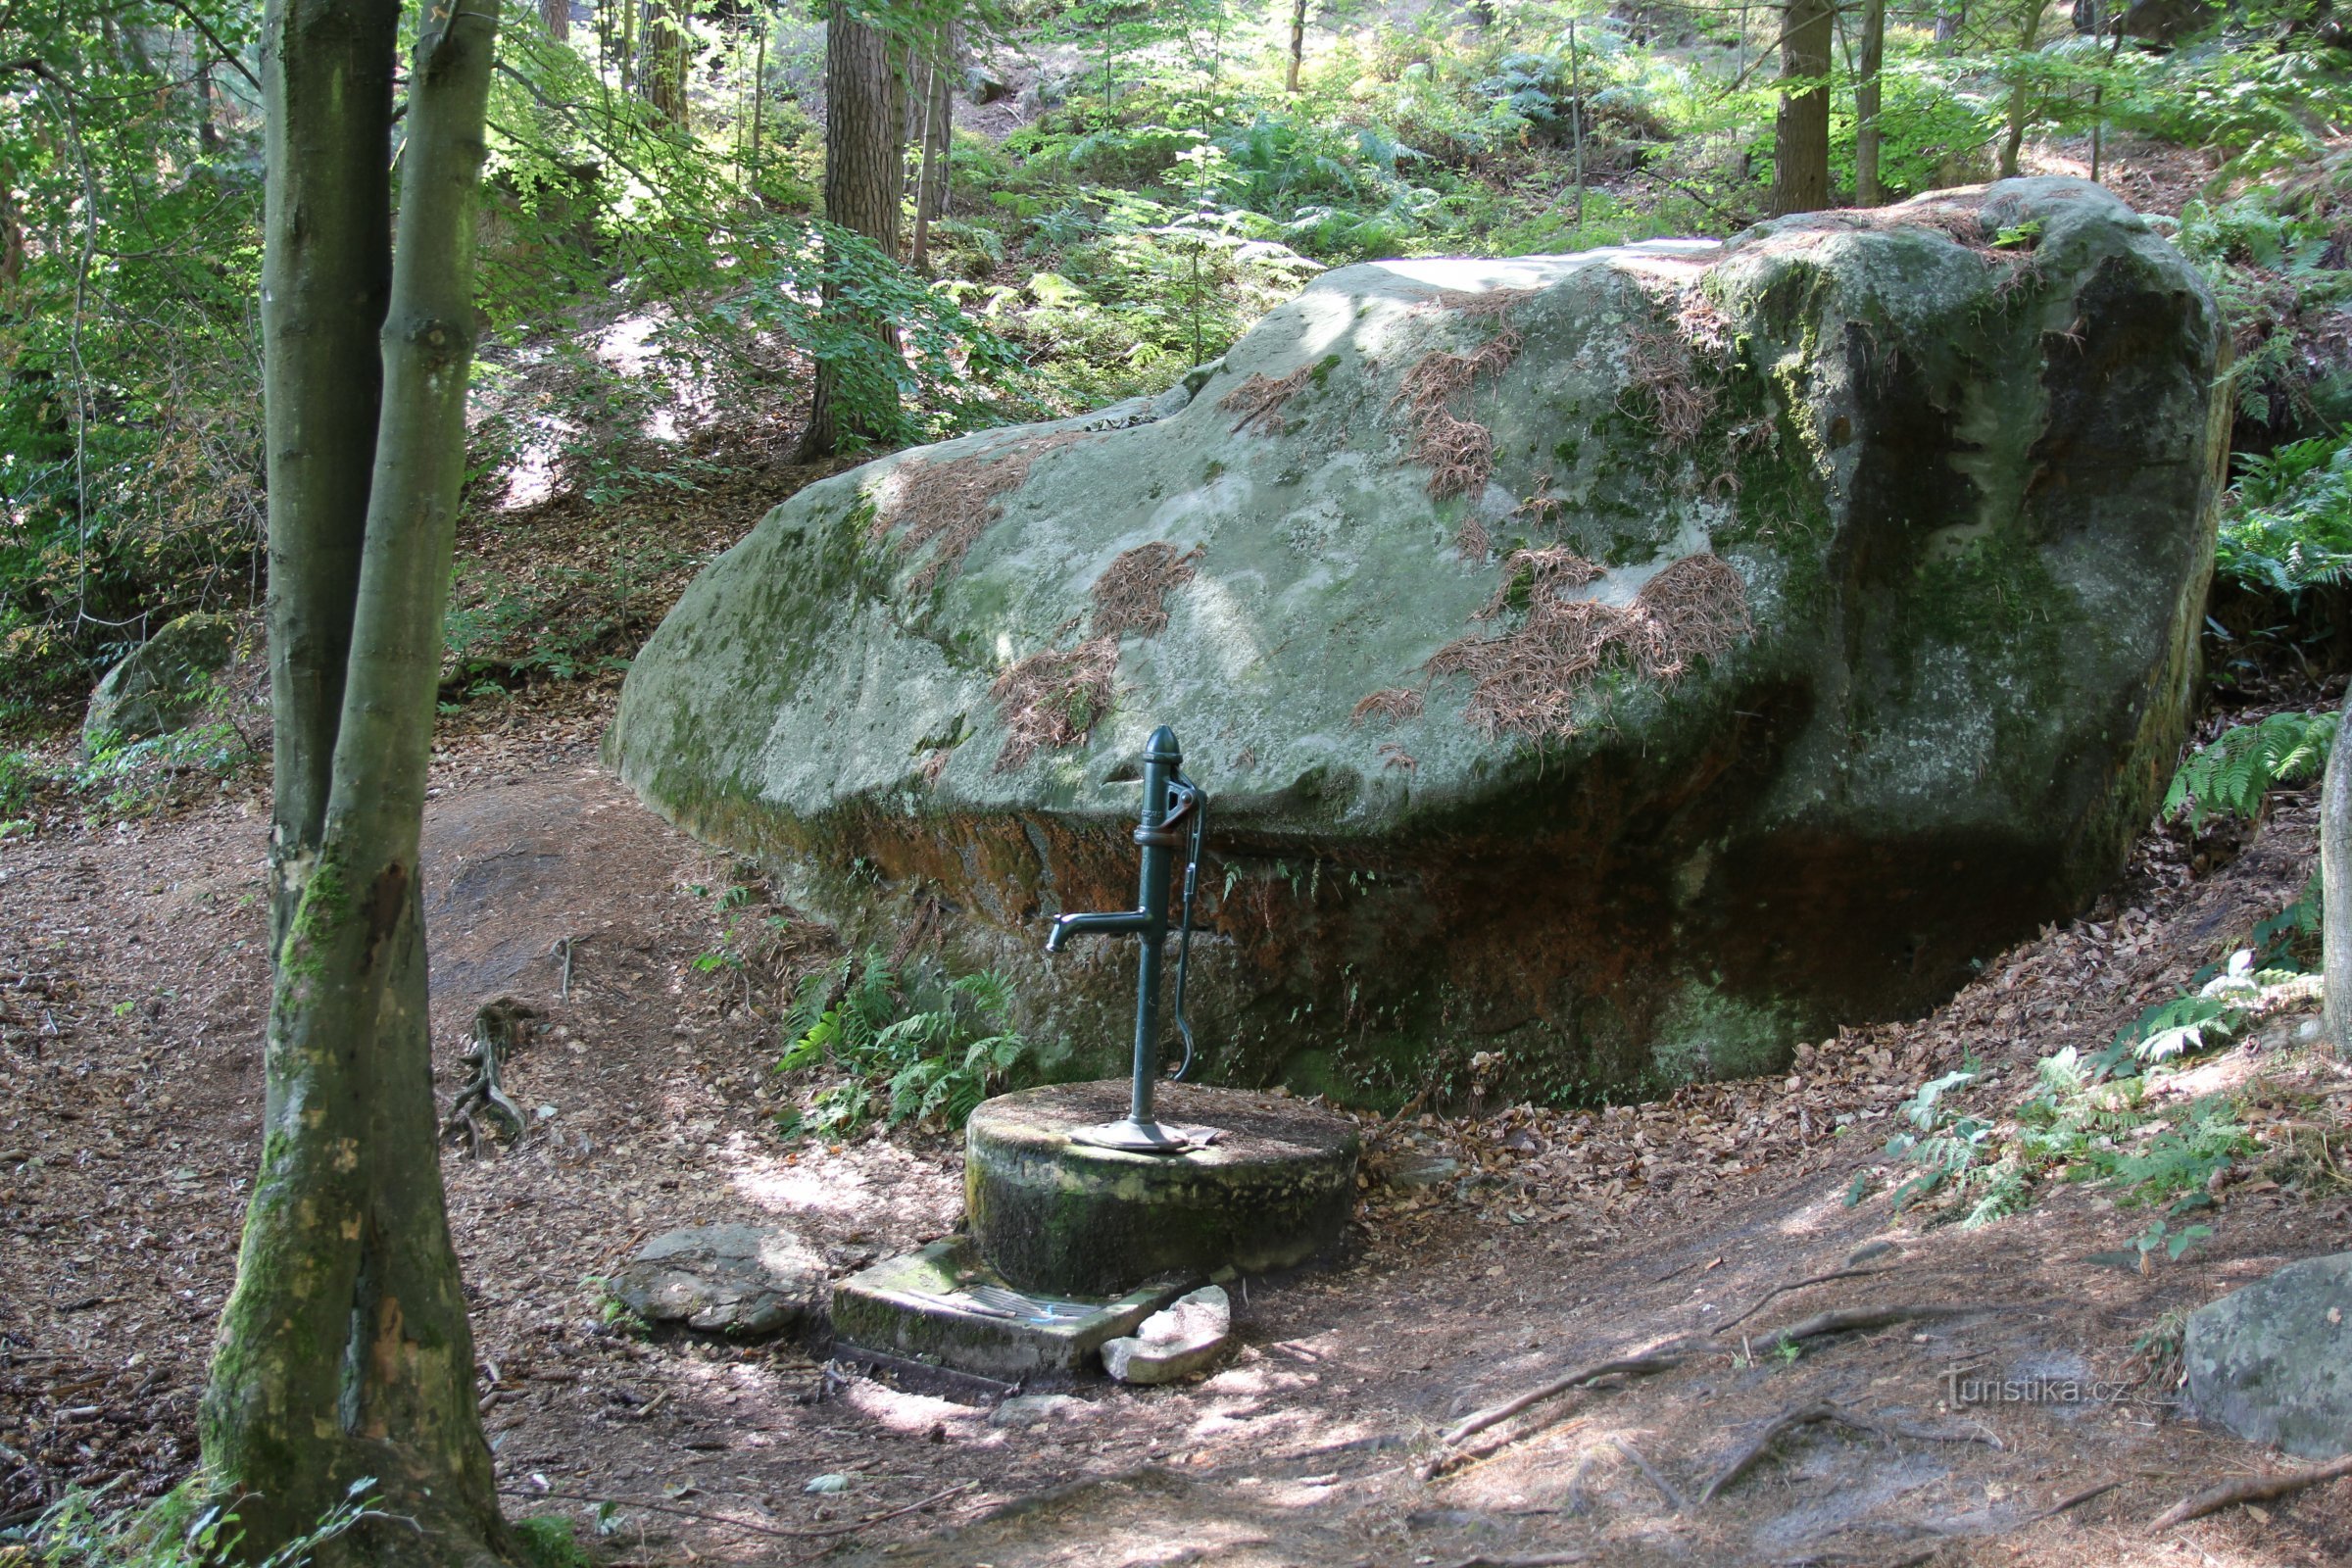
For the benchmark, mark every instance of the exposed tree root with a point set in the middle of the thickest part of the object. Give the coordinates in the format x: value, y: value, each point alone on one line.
x: 2250, y: 1488
x: 1797, y: 1285
x: 498, y: 1028
x: 1806, y: 1414
x: 1666, y: 1488
x: 1625, y: 1366
x: 1848, y: 1319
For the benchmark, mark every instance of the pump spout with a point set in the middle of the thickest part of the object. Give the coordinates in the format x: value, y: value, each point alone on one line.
x: 1116, y: 924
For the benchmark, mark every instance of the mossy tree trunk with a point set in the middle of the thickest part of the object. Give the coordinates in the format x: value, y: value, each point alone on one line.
x: 1800, y: 147
x: 345, y: 1351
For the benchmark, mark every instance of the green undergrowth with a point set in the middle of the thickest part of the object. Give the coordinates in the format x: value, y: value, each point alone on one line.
x: 179, y: 1530
x: 2106, y: 1116
x: 872, y: 1041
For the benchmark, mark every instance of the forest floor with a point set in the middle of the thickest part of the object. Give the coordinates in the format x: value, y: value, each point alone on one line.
x: 131, y: 984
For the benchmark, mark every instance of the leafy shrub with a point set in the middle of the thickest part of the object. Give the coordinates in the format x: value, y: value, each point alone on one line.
x: 2230, y: 774
x: 912, y: 1053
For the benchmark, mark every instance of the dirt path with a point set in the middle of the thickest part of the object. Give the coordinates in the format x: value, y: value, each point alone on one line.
x: 130, y: 987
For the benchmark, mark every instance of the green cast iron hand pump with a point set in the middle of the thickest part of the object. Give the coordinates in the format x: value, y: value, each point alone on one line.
x: 1168, y: 799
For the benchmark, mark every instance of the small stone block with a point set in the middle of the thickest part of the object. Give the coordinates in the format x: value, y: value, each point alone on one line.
x: 1174, y: 1344
x: 941, y: 1306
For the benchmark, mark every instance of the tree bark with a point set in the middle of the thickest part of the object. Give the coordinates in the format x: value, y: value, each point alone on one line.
x: 931, y: 177
x: 555, y: 15
x: 2336, y: 890
x: 345, y: 1351
x: 2028, y: 34
x: 1290, y: 80
x: 865, y: 117
x: 1867, y: 138
x: 326, y: 273
x: 662, y: 78
x: 1801, y: 148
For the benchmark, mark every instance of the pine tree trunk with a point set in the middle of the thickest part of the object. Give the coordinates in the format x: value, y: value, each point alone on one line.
x: 1867, y: 138
x: 865, y: 117
x: 555, y: 15
x: 1290, y: 80
x: 345, y: 1351
x: 2336, y: 890
x: 1801, y: 149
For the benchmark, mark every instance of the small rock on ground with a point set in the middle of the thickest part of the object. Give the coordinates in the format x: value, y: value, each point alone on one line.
x: 1181, y: 1338
x: 732, y: 1278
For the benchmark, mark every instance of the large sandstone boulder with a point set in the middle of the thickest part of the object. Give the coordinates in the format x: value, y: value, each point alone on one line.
x: 2272, y: 1362
x: 1625, y: 663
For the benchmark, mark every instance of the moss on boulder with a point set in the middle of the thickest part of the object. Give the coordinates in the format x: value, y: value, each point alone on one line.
x: 1625, y: 662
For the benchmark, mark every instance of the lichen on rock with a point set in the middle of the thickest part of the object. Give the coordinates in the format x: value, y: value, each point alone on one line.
x: 1816, y: 615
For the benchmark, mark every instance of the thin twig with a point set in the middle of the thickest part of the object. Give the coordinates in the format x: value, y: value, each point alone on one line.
x: 1674, y: 1498
x: 2249, y: 1488
x: 1798, y: 1285
x: 781, y: 1531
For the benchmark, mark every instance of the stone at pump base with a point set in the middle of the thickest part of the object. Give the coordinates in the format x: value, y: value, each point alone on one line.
x: 157, y: 687
x: 2272, y: 1362
x: 943, y: 1307
x: 733, y: 1279
x: 1174, y: 1344
x: 1272, y: 1193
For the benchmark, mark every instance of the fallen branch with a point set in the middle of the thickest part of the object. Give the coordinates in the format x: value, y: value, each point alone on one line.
x: 1798, y: 1285
x: 1541, y: 1559
x: 782, y: 1532
x: 1627, y: 1366
x: 1674, y: 1498
x: 2250, y: 1488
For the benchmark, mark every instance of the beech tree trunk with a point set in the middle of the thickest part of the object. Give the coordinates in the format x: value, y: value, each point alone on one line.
x: 1800, y: 147
x: 2336, y: 890
x: 865, y: 120
x: 344, y: 1351
x: 1868, y: 137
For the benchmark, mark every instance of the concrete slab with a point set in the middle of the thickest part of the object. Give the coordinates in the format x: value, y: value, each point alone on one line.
x: 943, y: 1307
